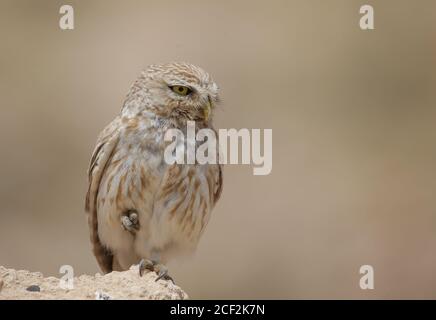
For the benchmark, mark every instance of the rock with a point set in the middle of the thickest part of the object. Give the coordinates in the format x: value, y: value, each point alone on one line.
x: 102, y: 296
x: 22, y: 284
x: 33, y: 288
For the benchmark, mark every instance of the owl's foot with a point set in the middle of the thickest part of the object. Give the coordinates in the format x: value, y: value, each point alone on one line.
x: 160, y: 269
x: 145, y: 264
x: 129, y: 221
x: 162, y: 273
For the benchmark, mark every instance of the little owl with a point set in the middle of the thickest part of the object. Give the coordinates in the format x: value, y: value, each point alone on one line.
x: 141, y: 209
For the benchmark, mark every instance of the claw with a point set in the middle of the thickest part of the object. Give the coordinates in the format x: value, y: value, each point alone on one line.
x: 162, y: 273
x: 160, y: 269
x: 130, y: 221
x: 145, y: 264
x: 134, y: 218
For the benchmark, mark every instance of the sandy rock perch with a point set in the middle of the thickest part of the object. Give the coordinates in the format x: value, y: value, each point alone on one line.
x: 22, y: 284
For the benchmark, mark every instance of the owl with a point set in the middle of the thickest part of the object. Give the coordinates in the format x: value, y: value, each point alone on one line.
x: 140, y: 209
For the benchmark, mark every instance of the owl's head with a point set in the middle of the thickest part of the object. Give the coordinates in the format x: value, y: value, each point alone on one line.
x: 174, y: 90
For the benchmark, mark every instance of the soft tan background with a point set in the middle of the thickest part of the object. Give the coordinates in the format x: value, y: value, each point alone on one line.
x: 353, y: 116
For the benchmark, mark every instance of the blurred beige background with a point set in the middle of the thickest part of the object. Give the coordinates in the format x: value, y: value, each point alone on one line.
x: 353, y: 116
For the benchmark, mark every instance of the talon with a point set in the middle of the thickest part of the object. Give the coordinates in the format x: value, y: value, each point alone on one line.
x: 130, y: 221
x: 134, y: 218
x: 160, y: 269
x: 145, y: 264
x: 126, y: 223
x: 162, y: 273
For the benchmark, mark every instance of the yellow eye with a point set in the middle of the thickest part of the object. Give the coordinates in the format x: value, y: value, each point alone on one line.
x: 181, y: 90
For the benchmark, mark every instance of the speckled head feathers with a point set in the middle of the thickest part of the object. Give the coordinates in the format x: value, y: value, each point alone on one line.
x: 153, y: 92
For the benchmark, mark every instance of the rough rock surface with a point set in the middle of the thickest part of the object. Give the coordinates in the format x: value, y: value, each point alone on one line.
x: 22, y: 284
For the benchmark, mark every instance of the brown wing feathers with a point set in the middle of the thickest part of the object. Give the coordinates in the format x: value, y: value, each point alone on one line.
x: 99, y: 161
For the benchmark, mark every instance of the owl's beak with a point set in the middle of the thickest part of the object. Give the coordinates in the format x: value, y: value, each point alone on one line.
x: 207, y: 109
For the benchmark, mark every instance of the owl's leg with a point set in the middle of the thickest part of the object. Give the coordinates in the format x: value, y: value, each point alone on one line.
x: 129, y: 221
x: 152, y: 265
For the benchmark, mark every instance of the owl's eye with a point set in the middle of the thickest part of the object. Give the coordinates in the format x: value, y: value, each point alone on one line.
x: 181, y: 90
